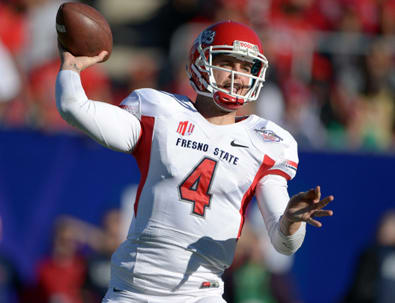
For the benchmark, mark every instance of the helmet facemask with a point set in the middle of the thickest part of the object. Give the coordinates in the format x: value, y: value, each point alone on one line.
x: 225, y: 98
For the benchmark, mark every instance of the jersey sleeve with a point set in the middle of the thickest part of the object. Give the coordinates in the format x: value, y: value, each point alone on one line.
x: 105, y: 123
x: 147, y: 102
x: 132, y: 104
x: 286, y: 163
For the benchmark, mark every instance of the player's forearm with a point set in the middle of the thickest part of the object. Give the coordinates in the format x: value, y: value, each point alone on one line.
x: 288, y: 227
x: 69, y: 94
x: 107, y: 124
x: 272, y: 198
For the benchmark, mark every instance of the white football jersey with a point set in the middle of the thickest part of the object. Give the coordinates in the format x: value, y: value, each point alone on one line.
x: 197, y: 179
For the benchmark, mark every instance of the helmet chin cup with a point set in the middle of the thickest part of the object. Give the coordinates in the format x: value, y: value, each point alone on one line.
x: 227, y: 102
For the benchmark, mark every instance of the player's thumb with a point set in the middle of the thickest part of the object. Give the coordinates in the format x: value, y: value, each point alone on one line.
x: 103, y: 54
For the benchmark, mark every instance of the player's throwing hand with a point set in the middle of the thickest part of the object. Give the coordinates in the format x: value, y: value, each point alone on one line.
x: 78, y: 64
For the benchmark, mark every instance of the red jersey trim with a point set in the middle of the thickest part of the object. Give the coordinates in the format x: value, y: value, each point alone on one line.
x: 142, y: 153
x: 263, y: 170
x: 278, y: 172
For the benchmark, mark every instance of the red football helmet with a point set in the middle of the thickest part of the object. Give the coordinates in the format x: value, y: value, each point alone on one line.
x: 233, y: 39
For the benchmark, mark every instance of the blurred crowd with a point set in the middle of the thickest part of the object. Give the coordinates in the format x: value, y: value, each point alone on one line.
x: 331, y: 80
x: 75, y: 269
x: 331, y: 83
x: 76, y: 266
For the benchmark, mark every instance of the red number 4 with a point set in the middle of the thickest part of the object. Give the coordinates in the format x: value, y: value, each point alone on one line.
x: 195, y: 188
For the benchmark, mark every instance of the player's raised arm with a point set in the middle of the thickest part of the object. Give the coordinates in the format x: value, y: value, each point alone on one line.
x: 107, y: 124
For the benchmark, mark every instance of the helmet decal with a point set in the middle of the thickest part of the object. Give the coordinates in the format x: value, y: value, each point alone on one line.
x: 207, y: 36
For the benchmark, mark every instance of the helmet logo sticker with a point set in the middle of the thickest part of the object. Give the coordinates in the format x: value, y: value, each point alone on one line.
x: 244, y: 46
x: 208, y: 37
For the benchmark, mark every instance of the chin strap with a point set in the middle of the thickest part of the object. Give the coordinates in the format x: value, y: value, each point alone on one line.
x: 227, y: 101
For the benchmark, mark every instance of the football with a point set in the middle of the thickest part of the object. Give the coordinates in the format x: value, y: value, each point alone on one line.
x: 82, y: 30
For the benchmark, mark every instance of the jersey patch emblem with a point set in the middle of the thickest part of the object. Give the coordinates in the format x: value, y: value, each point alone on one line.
x: 269, y: 135
x: 291, y: 165
x: 185, y: 128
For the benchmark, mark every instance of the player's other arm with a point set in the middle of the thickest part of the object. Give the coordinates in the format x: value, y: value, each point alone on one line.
x: 109, y: 125
x: 272, y: 196
x: 285, y: 218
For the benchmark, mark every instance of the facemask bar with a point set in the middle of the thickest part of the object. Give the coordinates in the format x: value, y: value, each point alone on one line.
x: 205, y: 66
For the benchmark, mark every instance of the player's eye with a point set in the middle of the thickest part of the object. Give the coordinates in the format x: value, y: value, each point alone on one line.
x: 225, y: 64
x: 247, y: 68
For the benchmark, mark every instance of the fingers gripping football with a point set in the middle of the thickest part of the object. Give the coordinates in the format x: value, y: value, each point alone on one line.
x: 78, y: 64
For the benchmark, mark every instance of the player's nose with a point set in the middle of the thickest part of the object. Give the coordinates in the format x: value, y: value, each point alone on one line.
x: 237, y: 68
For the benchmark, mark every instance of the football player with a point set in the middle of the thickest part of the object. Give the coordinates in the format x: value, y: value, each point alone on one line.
x: 200, y: 166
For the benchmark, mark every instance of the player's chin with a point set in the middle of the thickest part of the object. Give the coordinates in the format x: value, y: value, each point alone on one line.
x: 229, y: 107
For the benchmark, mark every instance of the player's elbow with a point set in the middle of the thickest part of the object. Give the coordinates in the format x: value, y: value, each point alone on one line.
x: 65, y: 109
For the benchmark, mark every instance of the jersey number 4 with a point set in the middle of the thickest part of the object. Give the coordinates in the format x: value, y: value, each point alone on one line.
x: 196, y: 186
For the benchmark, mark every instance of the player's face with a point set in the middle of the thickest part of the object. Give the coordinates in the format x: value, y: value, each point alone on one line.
x: 224, y: 78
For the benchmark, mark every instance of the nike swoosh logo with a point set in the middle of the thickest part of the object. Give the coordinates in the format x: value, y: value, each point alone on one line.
x: 117, y: 290
x: 233, y: 143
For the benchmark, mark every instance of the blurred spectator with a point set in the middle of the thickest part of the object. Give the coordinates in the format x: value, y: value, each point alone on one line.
x: 259, y: 273
x: 12, y: 17
x: 10, y: 84
x: 387, y: 20
x: 365, y: 13
x: 98, y: 242
x: 40, y: 43
x: 278, y: 265
x: 236, y: 10
x: 143, y: 71
x: 34, y: 48
x: 270, y: 104
x: 12, y: 45
x: 302, y: 114
x: 10, y: 282
x: 99, y: 261
x: 289, y: 43
x: 248, y: 280
x: 181, y: 40
x: 374, y: 277
x: 60, y: 275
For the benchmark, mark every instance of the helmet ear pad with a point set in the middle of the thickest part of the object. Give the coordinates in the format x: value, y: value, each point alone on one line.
x: 233, y: 39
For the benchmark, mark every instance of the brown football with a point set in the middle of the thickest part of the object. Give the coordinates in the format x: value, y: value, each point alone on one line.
x: 82, y: 30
